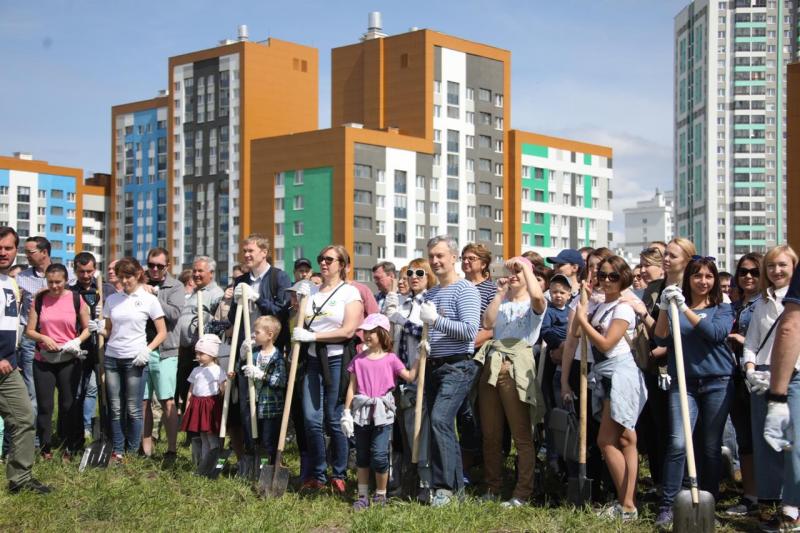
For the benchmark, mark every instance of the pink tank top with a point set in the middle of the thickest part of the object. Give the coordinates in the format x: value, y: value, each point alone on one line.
x: 58, y: 320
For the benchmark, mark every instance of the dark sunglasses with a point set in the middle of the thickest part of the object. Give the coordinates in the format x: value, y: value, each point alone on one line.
x: 742, y: 272
x: 326, y: 259
x: 706, y: 258
x: 650, y: 250
x: 613, y: 277
x: 419, y: 273
x: 156, y: 266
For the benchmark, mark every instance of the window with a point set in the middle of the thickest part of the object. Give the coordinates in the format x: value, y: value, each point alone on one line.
x: 469, y: 141
x: 400, y: 181
x: 437, y: 86
x: 498, y: 99
x: 485, y: 211
x: 471, y: 211
x: 470, y: 187
x: 298, y: 202
x: 420, y: 206
x: 420, y: 182
x: 400, y: 206
x: 526, y: 193
x: 470, y: 117
x: 437, y: 136
x: 452, y: 141
x: 484, y: 187
x: 498, y: 123
x: 498, y: 215
x: 498, y: 237
x: 298, y: 227
x: 420, y: 232
x: 498, y: 146
x: 485, y: 165
x: 363, y: 223
x: 485, y: 119
x: 452, y: 93
x: 484, y: 95
x: 363, y: 171
x: 298, y: 177
x: 380, y: 227
x: 485, y: 235
x: 484, y: 141
x: 279, y: 204
x: 437, y: 111
x: 434, y: 184
x: 279, y: 179
x: 470, y: 94
x: 363, y: 248
x: 363, y: 197
x: 57, y: 211
x: 470, y: 164
x: 57, y: 194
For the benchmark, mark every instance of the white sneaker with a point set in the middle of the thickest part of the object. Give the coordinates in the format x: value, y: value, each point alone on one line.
x: 513, y: 502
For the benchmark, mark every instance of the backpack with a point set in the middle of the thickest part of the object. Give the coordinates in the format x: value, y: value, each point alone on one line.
x: 76, y: 302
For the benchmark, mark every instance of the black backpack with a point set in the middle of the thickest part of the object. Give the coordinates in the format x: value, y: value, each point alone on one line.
x: 76, y: 302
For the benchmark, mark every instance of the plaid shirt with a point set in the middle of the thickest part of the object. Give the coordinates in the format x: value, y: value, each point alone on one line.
x: 271, y: 390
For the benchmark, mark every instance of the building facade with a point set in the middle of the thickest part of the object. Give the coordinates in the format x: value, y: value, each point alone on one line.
x: 563, y: 189
x: 730, y: 113
x: 651, y: 220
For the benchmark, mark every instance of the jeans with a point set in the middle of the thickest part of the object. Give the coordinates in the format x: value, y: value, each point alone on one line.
x: 322, y: 411
x: 89, y: 384
x: 710, y: 400
x: 768, y: 464
x: 791, y: 480
x: 15, y: 409
x: 446, y: 387
x: 651, y: 430
x: 25, y: 353
x: 124, y: 387
x: 372, y: 447
x: 66, y: 377
x: 269, y: 430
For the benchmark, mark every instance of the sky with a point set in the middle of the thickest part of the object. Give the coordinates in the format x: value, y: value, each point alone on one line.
x: 592, y: 70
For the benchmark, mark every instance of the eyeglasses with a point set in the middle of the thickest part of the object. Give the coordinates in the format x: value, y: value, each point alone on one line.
x: 706, y: 258
x: 326, y: 259
x: 613, y: 277
x: 742, y: 272
x: 637, y: 276
x: 470, y: 259
x: 419, y: 273
x: 156, y: 266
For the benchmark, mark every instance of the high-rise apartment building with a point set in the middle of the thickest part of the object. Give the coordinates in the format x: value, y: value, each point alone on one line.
x: 650, y: 220
x: 730, y: 113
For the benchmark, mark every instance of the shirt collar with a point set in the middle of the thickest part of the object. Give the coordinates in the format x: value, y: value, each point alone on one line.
x: 254, y: 278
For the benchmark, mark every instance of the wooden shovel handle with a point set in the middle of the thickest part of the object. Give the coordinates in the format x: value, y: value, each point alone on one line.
x: 423, y: 358
x: 287, y: 406
x: 584, y: 386
x: 687, y: 425
x: 237, y: 323
x: 251, y: 384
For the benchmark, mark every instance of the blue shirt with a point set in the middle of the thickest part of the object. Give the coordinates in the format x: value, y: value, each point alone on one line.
x: 459, y: 308
x: 554, y: 326
x: 705, y: 352
x: 793, y: 295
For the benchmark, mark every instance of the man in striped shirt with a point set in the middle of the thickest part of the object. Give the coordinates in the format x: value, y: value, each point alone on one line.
x: 452, y: 313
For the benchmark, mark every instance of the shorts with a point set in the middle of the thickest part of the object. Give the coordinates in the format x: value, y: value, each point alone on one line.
x: 161, y: 377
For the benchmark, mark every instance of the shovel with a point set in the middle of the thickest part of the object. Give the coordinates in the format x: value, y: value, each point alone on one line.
x: 98, y: 454
x: 579, y: 490
x: 423, y: 358
x: 693, y: 509
x: 256, y: 462
x: 274, y: 478
x: 226, y: 403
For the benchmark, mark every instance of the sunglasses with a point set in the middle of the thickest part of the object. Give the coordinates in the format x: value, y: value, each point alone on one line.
x: 706, y: 258
x: 156, y: 266
x: 326, y: 259
x: 419, y: 273
x: 613, y: 277
x: 742, y: 272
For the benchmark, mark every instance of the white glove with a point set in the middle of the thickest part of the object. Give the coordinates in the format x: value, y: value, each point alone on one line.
x: 243, y: 291
x: 778, y: 426
x: 757, y: 381
x: 72, y: 346
x: 398, y: 318
x: 142, y: 358
x: 303, y: 335
x: 673, y: 293
x: 428, y: 313
x: 253, y: 372
x: 97, y: 325
x: 425, y: 345
x: 391, y: 303
x: 348, y: 425
x: 303, y: 288
x: 664, y: 382
x: 246, y: 350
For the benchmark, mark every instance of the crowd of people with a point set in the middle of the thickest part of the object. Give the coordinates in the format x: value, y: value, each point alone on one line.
x: 502, y: 346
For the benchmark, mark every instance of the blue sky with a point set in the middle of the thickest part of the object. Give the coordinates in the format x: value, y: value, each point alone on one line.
x: 592, y: 70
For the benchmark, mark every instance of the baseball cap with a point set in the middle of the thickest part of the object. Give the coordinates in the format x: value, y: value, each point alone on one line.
x: 375, y: 320
x: 561, y: 278
x: 570, y: 256
x: 302, y: 262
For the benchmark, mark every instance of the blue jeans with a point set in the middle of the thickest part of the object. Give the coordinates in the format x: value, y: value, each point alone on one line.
x: 372, y: 447
x: 446, y: 387
x: 269, y: 430
x: 322, y: 411
x: 124, y: 387
x: 710, y: 400
x: 768, y: 465
x: 89, y: 384
x: 791, y: 479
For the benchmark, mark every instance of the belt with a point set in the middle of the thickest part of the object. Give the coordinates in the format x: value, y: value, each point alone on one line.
x: 436, y: 362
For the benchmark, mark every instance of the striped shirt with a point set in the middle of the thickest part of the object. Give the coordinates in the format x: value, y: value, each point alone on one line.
x: 459, y: 307
x: 487, y: 290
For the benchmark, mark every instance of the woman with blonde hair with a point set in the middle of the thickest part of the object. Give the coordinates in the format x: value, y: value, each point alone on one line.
x: 777, y: 268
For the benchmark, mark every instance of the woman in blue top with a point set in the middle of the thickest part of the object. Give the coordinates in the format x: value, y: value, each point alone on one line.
x: 705, y: 322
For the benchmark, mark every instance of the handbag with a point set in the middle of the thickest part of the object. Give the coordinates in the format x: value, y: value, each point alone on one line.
x: 563, y: 424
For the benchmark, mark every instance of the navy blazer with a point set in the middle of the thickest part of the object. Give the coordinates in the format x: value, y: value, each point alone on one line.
x: 267, y: 305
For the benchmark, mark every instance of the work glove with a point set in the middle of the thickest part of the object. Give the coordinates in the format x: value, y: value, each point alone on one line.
x: 673, y: 294
x: 303, y: 288
x: 428, y: 313
x: 246, y: 350
x: 348, y: 425
x: 398, y: 318
x: 391, y: 303
x: 778, y: 426
x: 97, y: 325
x: 757, y: 381
x: 243, y: 292
x: 664, y: 382
x: 425, y: 345
x: 143, y: 358
x: 303, y: 335
x: 253, y: 372
x: 72, y: 346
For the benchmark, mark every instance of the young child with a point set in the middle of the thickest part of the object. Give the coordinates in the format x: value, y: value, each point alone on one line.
x: 204, y: 402
x: 269, y: 374
x: 369, y: 406
x: 554, y: 325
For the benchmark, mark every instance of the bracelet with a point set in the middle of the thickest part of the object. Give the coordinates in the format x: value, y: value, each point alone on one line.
x: 778, y: 398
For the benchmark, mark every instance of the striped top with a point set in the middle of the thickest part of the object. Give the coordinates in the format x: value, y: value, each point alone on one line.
x: 487, y: 290
x: 459, y: 308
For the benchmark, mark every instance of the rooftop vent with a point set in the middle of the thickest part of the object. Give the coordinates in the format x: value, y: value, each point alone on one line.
x: 374, y: 27
x: 27, y: 156
x: 243, y: 32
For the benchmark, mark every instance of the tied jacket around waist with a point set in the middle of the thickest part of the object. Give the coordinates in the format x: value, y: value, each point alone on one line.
x: 380, y: 410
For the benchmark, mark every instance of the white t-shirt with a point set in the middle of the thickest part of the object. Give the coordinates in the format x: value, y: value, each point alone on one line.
x: 605, y: 313
x: 129, y: 314
x: 331, y: 315
x: 206, y: 380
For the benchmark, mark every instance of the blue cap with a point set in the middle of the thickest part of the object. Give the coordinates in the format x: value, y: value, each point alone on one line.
x: 570, y: 256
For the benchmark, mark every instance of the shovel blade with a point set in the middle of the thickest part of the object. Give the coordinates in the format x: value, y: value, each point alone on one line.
x: 690, y: 517
x: 273, y: 481
x: 97, y: 455
x: 579, y: 491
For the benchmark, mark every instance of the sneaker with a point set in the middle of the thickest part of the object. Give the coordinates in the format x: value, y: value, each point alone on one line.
x: 337, y: 486
x: 513, y: 502
x: 116, y: 458
x: 379, y: 500
x: 743, y: 507
x: 441, y: 498
x: 490, y: 497
x: 781, y: 522
x: 610, y: 512
x: 168, y: 461
x: 628, y: 516
x: 312, y: 485
x: 47, y: 456
x: 424, y: 495
x: 664, y: 518
x: 361, y: 504
x: 31, y: 485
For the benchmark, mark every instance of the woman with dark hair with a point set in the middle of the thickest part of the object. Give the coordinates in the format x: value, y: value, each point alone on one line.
x: 746, y: 278
x: 58, y: 323
x: 333, y: 312
x: 127, y: 352
x: 619, y: 392
x: 705, y: 322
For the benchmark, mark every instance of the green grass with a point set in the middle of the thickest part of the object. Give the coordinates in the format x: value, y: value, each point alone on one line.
x: 139, y: 496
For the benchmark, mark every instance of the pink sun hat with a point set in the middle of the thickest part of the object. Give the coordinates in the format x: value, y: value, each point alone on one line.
x: 375, y: 320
